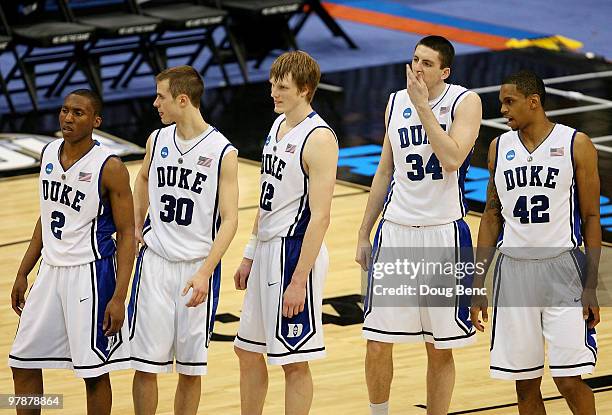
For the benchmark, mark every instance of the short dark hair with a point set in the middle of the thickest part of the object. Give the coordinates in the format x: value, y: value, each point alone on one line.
x: 183, y: 79
x: 93, y: 97
x: 527, y: 83
x: 441, y: 45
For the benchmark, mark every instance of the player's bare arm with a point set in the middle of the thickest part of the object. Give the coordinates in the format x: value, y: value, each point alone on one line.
x: 491, y: 224
x: 320, y: 160
x: 116, y: 187
x: 141, y: 193
x: 376, y: 200
x: 228, y: 210
x: 453, y: 147
x: 244, y: 269
x: 30, y: 258
x: 587, y: 181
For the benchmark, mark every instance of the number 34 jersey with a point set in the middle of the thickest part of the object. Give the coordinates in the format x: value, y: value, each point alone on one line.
x: 283, y: 203
x: 421, y: 193
x: 77, y: 224
x: 538, y: 194
x: 183, y: 189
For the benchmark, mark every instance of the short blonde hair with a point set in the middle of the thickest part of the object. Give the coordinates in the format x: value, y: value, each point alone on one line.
x: 183, y: 79
x: 304, y: 70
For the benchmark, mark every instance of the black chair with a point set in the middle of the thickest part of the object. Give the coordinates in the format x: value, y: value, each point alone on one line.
x: 315, y: 6
x: 46, y: 38
x: 5, y: 41
x: 257, y: 27
x: 185, y: 24
x: 119, y: 29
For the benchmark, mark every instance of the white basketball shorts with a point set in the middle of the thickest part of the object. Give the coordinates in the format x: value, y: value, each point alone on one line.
x: 525, y: 317
x: 61, y: 323
x: 162, y: 327
x: 263, y: 329
x: 441, y: 318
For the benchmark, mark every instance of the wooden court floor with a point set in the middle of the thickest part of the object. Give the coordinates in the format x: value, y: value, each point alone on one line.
x: 339, y: 379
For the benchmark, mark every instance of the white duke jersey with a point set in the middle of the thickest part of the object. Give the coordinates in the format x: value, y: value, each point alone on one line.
x: 77, y: 224
x: 283, y: 202
x: 183, y: 190
x: 421, y: 193
x: 538, y: 194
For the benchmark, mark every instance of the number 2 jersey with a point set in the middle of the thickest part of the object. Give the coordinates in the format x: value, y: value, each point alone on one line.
x: 77, y: 224
x: 421, y: 193
x: 538, y: 194
x: 183, y: 190
x: 283, y: 203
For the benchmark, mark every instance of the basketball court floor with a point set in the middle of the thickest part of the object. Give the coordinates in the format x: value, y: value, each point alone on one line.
x: 353, y: 102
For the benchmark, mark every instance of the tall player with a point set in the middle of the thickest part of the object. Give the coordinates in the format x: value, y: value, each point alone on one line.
x: 189, y: 185
x: 285, y: 262
x: 543, y: 183
x: 431, y: 127
x: 83, y: 278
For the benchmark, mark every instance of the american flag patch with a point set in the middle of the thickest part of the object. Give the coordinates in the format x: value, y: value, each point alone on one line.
x: 556, y: 151
x: 84, y: 177
x: 291, y: 148
x: 204, y: 161
x: 444, y: 110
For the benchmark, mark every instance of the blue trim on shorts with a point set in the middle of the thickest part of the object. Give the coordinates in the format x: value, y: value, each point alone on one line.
x: 464, y: 255
x: 213, y: 293
x: 295, y: 331
x: 133, y: 305
x: 367, y: 305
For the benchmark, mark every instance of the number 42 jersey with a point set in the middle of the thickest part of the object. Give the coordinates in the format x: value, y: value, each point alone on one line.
x: 183, y: 190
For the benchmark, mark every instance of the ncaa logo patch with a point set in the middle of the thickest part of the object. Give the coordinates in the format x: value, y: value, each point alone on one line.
x: 295, y: 330
x: 510, y: 155
x: 407, y: 112
x: 164, y: 152
x: 49, y: 168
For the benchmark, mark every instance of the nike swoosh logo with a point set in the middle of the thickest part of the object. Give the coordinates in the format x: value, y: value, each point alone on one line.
x: 274, y: 283
x: 576, y: 300
x: 83, y: 299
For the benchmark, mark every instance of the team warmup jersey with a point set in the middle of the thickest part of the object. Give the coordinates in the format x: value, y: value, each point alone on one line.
x: 283, y: 204
x: 538, y: 193
x: 183, y: 189
x: 421, y: 193
x: 77, y: 224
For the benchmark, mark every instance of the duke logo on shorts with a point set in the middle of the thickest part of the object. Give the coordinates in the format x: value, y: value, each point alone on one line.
x: 76, y: 279
x: 284, y: 214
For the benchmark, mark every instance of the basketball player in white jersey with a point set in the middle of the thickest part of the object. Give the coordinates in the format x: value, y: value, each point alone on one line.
x: 188, y: 184
x: 285, y: 263
x: 73, y: 316
x: 542, y: 203
x: 431, y: 127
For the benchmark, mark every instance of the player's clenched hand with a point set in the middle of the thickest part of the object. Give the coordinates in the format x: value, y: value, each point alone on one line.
x: 199, y: 284
x: 590, y: 307
x: 113, y: 317
x: 18, y: 294
x: 479, y: 305
x: 417, y: 89
x: 242, y: 274
x: 362, y: 256
x: 294, y: 299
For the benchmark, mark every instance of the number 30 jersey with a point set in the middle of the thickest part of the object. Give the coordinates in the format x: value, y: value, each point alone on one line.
x: 538, y: 194
x: 77, y: 224
x: 283, y: 203
x: 183, y: 190
x: 421, y: 193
